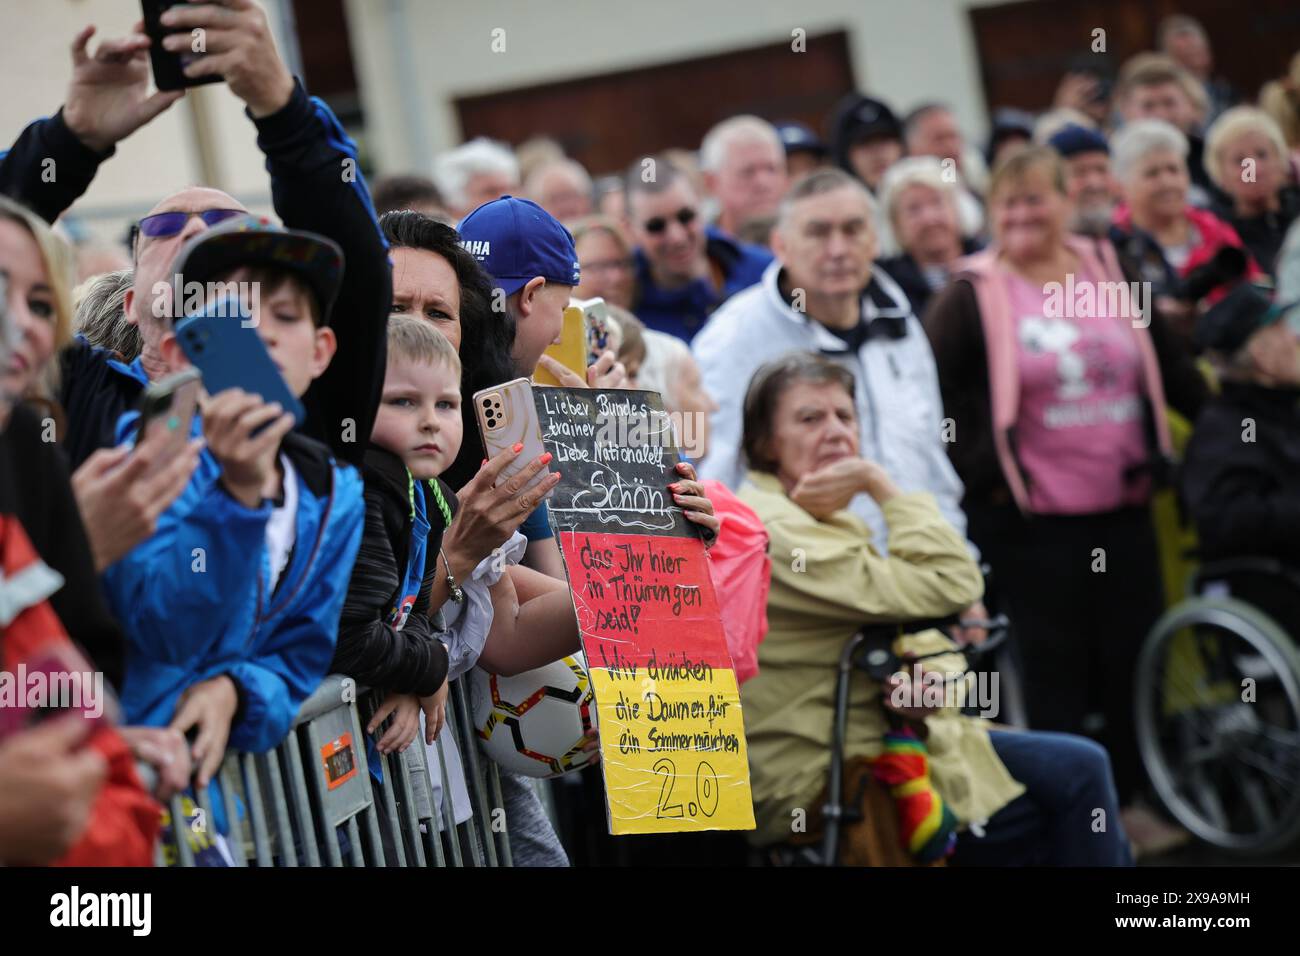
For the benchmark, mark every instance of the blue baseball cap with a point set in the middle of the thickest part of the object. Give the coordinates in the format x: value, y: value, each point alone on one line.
x: 516, y: 240
x: 1073, y: 139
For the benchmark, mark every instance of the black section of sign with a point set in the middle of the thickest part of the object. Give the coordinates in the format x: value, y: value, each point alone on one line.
x: 617, y: 453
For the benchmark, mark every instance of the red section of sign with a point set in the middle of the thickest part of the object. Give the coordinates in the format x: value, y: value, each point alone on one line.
x: 644, y: 600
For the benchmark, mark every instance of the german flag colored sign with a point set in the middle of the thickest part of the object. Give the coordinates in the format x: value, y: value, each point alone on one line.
x: 672, y: 739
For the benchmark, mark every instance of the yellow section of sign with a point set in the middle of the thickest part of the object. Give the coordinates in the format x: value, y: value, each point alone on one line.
x: 673, y: 752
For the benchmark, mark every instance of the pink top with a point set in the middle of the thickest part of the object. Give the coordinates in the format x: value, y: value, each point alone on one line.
x: 1080, y: 423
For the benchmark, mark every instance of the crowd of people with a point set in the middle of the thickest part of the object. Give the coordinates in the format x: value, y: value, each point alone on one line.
x: 874, y: 335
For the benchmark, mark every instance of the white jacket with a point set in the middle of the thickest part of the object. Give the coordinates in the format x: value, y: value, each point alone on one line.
x: 897, y: 392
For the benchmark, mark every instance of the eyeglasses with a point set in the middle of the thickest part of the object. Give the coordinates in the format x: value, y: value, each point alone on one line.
x: 658, y: 224
x: 607, y: 265
x: 164, y: 224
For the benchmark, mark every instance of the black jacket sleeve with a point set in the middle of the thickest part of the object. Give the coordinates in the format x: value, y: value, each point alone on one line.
x: 371, y: 651
x: 952, y: 324
x: 48, y: 169
x: 316, y: 184
x: 1240, y: 500
x: 1184, y: 385
x: 35, y: 486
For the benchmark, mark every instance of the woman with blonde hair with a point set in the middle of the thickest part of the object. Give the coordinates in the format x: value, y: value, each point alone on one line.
x: 1057, y: 394
x: 1246, y: 156
x: 73, y: 528
x: 119, y: 495
x: 38, y: 268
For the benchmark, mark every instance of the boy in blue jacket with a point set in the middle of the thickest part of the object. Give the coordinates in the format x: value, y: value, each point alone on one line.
x: 232, y: 607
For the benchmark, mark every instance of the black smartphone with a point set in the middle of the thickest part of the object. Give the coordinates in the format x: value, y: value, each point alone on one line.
x: 168, y: 67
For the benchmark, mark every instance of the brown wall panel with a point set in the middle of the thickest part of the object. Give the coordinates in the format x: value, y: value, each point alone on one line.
x: 1025, y: 48
x: 606, y: 120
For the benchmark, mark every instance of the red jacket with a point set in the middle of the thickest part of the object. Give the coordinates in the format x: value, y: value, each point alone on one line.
x: 125, y: 820
x: 1214, y: 233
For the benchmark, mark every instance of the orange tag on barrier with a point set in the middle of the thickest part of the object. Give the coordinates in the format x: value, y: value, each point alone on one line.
x: 339, y: 760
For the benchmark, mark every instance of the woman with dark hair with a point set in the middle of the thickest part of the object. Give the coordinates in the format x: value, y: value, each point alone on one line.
x: 1035, y: 793
x: 435, y: 278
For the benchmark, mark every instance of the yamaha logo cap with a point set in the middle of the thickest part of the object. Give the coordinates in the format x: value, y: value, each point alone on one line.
x: 516, y: 240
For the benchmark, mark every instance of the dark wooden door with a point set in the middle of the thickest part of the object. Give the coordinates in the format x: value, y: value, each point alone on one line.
x: 1025, y: 48
x: 606, y: 120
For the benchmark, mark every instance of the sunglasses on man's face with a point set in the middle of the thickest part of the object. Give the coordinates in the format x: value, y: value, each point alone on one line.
x: 163, y: 225
x: 658, y: 224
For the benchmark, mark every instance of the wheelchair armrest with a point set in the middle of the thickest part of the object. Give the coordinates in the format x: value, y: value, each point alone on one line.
x: 1268, y: 567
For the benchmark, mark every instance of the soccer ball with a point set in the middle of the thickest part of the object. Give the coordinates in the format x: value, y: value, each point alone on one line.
x: 534, y: 723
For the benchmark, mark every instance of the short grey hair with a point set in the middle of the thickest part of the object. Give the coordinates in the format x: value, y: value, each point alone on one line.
x: 913, y: 119
x: 735, y: 129
x: 823, y: 181
x: 101, y: 314
x: 1141, y: 138
x: 453, y: 169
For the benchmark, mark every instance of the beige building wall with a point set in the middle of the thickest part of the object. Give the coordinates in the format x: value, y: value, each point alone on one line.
x: 35, y: 65
x: 414, y: 57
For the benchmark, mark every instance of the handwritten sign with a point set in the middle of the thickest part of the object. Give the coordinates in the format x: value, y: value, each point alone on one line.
x: 671, y: 735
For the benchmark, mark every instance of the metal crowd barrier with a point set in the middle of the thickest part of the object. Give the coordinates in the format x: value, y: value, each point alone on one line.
x: 312, y: 798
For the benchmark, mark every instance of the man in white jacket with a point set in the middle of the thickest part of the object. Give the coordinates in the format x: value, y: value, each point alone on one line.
x: 823, y: 294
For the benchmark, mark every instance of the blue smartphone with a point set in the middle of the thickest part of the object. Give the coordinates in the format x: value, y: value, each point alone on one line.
x: 229, y: 353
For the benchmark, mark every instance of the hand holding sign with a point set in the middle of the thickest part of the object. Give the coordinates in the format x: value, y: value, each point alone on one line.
x: 695, y: 503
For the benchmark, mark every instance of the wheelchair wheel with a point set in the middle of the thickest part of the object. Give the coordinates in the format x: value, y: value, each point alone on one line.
x: 1218, y: 721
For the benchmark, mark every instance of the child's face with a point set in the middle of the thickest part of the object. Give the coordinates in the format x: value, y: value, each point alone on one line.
x: 419, y: 416
x: 283, y: 317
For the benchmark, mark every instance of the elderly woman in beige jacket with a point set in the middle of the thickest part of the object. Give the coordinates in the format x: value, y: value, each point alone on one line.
x: 1022, y: 798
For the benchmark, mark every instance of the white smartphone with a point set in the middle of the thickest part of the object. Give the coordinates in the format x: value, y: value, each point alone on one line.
x: 507, y: 417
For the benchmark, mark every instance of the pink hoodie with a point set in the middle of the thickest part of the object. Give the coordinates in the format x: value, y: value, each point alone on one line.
x: 989, y: 279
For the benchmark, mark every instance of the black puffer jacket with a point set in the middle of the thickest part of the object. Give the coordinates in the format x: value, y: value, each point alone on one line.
x: 370, y: 650
x: 1240, y: 473
x: 35, y: 487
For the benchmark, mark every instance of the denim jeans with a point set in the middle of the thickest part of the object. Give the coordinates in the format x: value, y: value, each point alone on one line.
x: 1068, y: 815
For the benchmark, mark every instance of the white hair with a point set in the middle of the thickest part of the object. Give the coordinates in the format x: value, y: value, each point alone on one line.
x: 1139, y: 139
x: 736, y: 129
x: 1233, y: 123
x: 659, y: 371
x: 914, y: 171
x: 453, y: 169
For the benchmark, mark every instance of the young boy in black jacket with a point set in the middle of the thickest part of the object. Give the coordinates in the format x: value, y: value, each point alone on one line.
x: 387, y: 641
x: 1240, y: 471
